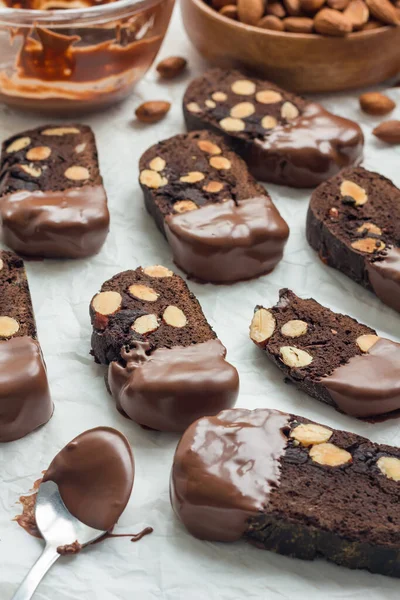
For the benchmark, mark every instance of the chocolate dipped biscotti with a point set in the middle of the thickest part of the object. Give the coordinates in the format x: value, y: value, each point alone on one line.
x: 330, y: 356
x: 25, y: 401
x: 167, y: 368
x: 52, y: 200
x: 283, y: 138
x: 292, y: 486
x: 353, y: 222
x: 220, y: 223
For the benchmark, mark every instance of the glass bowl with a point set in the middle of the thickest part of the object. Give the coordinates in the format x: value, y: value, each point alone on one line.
x: 80, y: 58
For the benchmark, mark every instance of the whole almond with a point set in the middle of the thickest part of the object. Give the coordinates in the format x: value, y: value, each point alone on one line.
x: 388, y: 131
x: 271, y: 22
x: 153, y: 111
x: 298, y: 24
x: 171, y: 67
x: 338, y: 4
x: 250, y: 11
x: 230, y: 11
x: 384, y: 11
x: 276, y: 9
x: 293, y: 7
x: 375, y: 103
x: 358, y: 13
x: 332, y: 22
x: 311, y: 6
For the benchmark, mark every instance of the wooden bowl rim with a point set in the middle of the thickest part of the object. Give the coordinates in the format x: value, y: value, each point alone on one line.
x: 201, y: 4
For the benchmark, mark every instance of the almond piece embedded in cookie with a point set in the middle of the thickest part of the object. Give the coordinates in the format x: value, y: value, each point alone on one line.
x: 330, y: 455
x: 107, y: 303
x: 262, y: 326
x: 309, y: 434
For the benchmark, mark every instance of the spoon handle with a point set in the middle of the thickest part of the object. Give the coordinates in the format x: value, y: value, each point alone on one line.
x: 36, y: 574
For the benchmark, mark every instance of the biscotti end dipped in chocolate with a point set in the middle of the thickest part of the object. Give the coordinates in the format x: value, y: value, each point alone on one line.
x: 166, y: 366
x: 220, y: 223
x: 353, y: 223
x: 52, y: 200
x: 330, y: 356
x: 25, y: 401
x: 283, y: 138
x: 292, y: 486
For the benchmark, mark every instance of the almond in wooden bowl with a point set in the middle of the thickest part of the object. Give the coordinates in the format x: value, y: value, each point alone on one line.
x: 302, y: 62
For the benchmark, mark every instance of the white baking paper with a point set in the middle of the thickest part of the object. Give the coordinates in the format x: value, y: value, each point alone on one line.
x: 170, y: 564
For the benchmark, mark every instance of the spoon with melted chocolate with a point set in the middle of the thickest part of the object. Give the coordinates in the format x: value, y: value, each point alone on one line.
x: 83, y: 493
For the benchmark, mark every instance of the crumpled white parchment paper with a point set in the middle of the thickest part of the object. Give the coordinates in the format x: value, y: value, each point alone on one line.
x: 169, y: 564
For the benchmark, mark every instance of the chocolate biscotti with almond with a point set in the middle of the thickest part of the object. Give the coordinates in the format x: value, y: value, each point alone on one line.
x: 330, y: 356
x: 52, y: 200
x: 25, y: 401
x: 287, y: 484
x: 283, y: 138
x: 222, y: 225
x: 167, y: 368
x: 353, y: 223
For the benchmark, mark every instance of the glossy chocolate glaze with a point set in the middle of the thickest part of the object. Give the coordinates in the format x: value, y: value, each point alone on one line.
x: 384, y: 277
x: 70, y: 224
x: 224, y: 470
x: 228, y: 242
x: 310, y: 149
x: 25, y: 401
x: 94, y: 474
x: 368, y: 385
x: 171, y: 388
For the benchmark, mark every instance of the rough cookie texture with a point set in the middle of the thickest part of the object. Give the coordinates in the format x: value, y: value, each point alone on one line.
x: 282, y: 137
x: 274, y: 480
x: 353, y: 223
x: 52, y: 199
x: 221, y: 224
x: 25, y: 401
x: 330, y: 356
x: 167, y: 368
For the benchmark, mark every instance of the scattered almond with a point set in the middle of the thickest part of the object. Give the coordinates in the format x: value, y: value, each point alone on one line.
x: 389, y: 466
x: 365, y: 342
x: 262, y: 326
x: 77, y: 173
x: 157, y: 271
x: 171, y: 67
x: 157, y: 164
x: 143, y: 292
x: 175, y: 317
x: 375, y: 103
x: 332, y: 22
x: 145, y: 324
x: 220, y: 162
x: 183, y: 206
x: 330, y: 455
x: 368, y: 245
x: 388, y: 131
x: 18, y: 144
x: 294, y: 328
x: 8, y: 327
x: 209, y: 147
x: 107, y: 303
x: 38, y: 153
x: 294, y: 357
x: 153, y: 111
x: 309, y: 434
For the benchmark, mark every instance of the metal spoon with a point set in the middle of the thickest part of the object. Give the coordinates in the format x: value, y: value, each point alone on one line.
x: 58, y: 528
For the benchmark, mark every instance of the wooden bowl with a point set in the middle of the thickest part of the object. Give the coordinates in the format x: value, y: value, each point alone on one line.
x: 298, y: 62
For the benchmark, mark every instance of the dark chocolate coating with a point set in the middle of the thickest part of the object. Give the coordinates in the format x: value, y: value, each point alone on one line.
x: 332, y: 233
x: 25, y: 402
x: 95, y: 474
x: 170, y: 388
x: 240, y: 474
x: 302, y: 152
